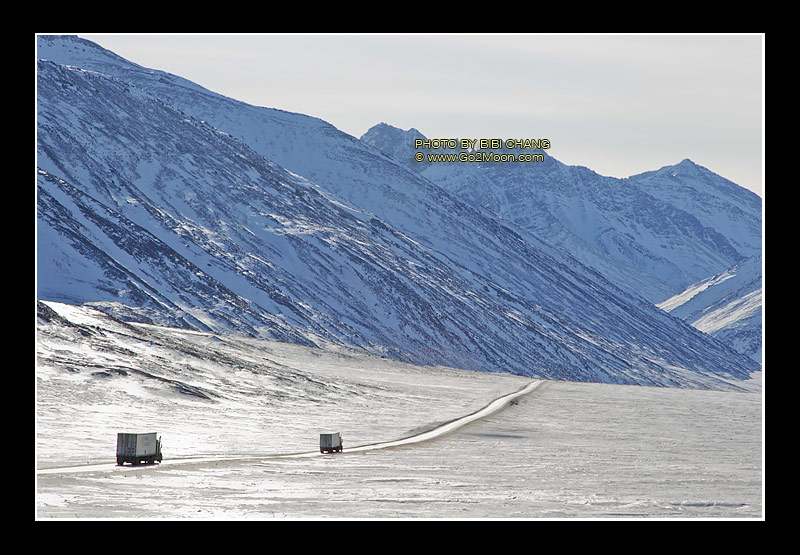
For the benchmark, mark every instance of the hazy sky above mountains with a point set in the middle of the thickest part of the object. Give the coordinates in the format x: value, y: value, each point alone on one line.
x: 618, y: 104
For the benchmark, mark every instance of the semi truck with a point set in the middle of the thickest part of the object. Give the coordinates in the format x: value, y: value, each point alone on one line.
x: 330, y: 443
x: 137, y: 448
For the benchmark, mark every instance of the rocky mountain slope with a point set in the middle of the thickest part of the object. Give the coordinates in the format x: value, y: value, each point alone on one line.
x: 726, y: 306
x: 656, y: 233
x: 161, y: 201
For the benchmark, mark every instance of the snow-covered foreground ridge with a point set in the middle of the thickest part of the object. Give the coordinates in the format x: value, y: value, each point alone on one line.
x: 161, y: 202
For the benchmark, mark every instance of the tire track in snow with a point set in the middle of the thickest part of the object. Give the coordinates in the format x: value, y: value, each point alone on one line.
x: 448, y: 427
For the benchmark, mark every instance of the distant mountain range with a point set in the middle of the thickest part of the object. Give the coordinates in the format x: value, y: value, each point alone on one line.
x: 656, y: 233
x: 163, y: 202
x: 726, y: 306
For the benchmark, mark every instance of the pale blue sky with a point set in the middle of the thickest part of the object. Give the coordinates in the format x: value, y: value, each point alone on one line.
x: 618, y: 104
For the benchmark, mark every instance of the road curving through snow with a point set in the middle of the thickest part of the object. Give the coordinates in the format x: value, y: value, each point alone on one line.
x: 491, y: 408
x: 448, y: 427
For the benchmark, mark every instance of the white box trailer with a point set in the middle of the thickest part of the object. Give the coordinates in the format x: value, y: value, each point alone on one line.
x: 138, y: 448
x: 330, y: 443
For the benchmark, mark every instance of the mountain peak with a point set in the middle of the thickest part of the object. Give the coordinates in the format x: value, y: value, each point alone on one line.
x: 392, y: 141
x: 381, y: 127
x: 387, y: 130
x: 686, y: 168
x: 73, y: 50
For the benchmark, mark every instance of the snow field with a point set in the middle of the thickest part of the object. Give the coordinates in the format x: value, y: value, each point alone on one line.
x: 566, y: 450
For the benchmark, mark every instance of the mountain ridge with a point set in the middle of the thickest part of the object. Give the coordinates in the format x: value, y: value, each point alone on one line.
x: 407, y: 270
x: 657, y: 233
x: 631, y: 229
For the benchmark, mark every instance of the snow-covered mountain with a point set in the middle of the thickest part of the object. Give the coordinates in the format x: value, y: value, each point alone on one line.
x: 161, y: 201
x: 727, y: 306
x: 722, y: 207
x: 655, y: 233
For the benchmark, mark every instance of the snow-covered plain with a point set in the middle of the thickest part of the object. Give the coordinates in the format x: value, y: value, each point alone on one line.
x: 229, y: 409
